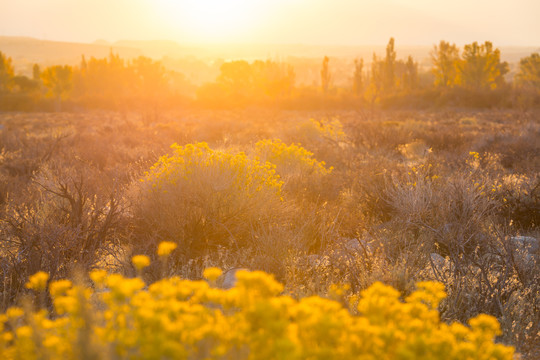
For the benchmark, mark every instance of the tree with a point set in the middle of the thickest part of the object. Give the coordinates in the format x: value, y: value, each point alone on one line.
x: 481, y: 67
x: 375, y: 80
x: 326, y: 77
x: 389, y: 80
x: 358, y: 77
x: 24, y: 84
x: 237, y: 76
x: 150, y: 75
x: 58, y: 80
x: 84, y: 64
x: 445, y: 58
x: 150, y: 84
x: 36, y: 73
x: 6, y: 73
x: 529, y: 72
x: 107, y: 82
x: 410, y: 75
x: 272, y: 79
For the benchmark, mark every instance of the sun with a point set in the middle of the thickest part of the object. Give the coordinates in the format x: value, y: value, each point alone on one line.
x: 212, y: 20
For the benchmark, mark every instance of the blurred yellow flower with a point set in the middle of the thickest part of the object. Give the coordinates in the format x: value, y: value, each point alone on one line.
x: 165, y: 248
x: 212, y: 274
x: 140, y: 261
x: 14, y: 312
x: 60, y: 287
x: 175, y: 318
x: 38, y: 281
x: 98, y: 276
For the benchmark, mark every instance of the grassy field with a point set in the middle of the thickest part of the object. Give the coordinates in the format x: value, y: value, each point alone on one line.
x: 391, y: 196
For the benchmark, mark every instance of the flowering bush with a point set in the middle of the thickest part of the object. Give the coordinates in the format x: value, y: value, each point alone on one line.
x: 198, y: 197
x: 195, y: 162
x: 325, y: 137
x: 290, y: 159
x: 324, y: 130
x: 180, y: 319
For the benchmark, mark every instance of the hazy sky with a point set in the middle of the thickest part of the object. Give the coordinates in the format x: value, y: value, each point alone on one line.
x: 334, y: 22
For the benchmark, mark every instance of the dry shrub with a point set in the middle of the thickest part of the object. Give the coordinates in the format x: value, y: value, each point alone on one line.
x: 415, y: 151
x: 377, y: 134
x: 201, y: 198
x: 480, y: 192
x: 60, y: 227
x: 304, y: 177
x: 456, y: 217
x: 519, y: 200
x: 325, y: 137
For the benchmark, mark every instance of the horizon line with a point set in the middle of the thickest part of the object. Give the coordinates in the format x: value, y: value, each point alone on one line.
x: 217, y: 44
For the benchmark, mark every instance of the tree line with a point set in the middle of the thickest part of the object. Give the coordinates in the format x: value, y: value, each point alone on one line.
x: 472, y: 76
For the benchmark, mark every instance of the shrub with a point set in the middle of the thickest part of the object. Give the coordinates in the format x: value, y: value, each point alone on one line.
x: 303, y: 175
x: 182, y: 319
x: 61, y: 227
x: 519, y: 200
x: 290, y: 160
x: 325, y: 129
x: 201, y: 198
x: 326, y: 138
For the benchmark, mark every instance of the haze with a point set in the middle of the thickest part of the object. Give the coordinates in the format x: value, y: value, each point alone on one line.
x: 320, y: 22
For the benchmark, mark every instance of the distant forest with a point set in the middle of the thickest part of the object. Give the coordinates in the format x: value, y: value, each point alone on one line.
x: 473, y: 76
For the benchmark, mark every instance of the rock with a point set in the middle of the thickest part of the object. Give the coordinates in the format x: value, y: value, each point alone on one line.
x: 438, y: 261
x: 525, y: 252
x: 528, y: 244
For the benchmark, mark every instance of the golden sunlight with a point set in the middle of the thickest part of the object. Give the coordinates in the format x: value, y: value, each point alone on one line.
x: 213, y: 20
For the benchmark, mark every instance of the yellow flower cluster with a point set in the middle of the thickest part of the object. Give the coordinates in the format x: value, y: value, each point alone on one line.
x: 197, y: 162
x: 165, y: 248
x: 289, y: 158
x: 38, y: 281
x: 331, y: 129
x: 140, y: 261
x: 182, y: 319
x: 473, y: 160
x: 474, y: 155
x: 212, y: 274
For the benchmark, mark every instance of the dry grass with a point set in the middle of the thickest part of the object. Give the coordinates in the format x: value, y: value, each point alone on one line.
x: 407, y: 185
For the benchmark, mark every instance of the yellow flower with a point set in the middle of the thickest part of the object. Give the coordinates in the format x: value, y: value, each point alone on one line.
x: 98, y: 276
x: 179, y: 318
x: 165, y: 248
x: 59, y: 287
x: 485, y: 324
x: 38, y: 281
x: 474, y: 154
x: 24, y: 331
x: 212, y: 274
x: 14, y: 312
x: 140, y: 261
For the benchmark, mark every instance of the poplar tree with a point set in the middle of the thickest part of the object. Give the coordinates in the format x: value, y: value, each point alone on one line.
x: 445, y: 58
x: 358, y: 77
x: 36, y: 73
x: 58, y: 80
x: 529, y: 71
x: 389, y: 79
x: 6, y: 72
x: 325, y: 75
x: 481, y: 67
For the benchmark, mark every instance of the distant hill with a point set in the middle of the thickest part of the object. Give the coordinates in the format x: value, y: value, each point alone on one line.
x: 160, y: 48
x: 26, y: 51
x: 102, y: 42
